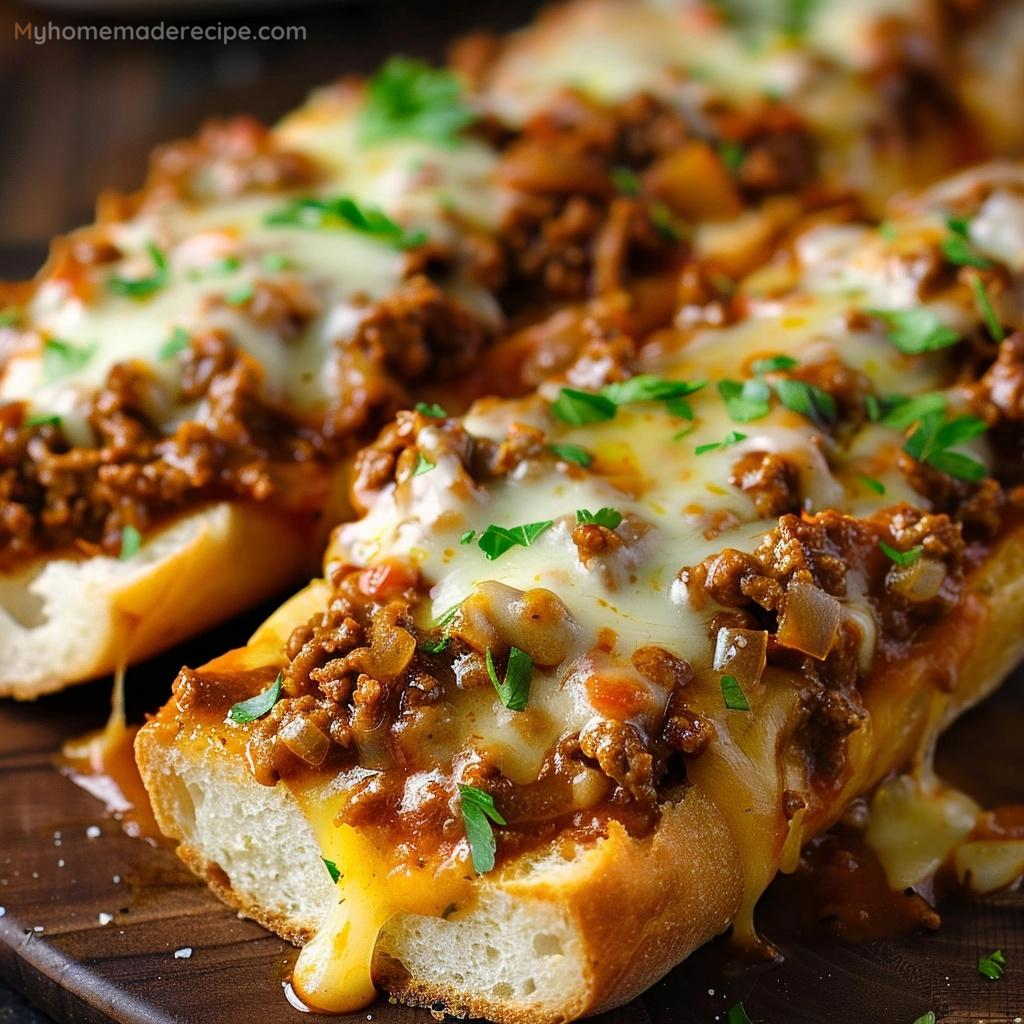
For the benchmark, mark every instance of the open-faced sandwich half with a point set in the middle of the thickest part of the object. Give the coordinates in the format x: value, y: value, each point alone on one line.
x: 184, y: 382
x: 594, y: 664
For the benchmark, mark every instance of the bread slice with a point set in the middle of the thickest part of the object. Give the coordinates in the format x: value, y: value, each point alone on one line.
x: 66, y: 619
x: 574, y: 928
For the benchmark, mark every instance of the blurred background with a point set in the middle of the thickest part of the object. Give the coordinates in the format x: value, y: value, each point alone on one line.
x: 78, y: 117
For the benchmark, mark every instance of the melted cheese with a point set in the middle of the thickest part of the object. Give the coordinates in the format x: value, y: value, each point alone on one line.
x: 678, y: 508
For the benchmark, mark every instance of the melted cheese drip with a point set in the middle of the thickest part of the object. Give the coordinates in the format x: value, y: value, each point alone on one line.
x: 333, y: 973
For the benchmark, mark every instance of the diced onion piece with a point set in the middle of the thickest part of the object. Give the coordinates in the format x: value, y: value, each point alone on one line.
x: 919, y: 581
x: 988, y: 865
x: 810, y: 620
x: 535, y: 621
x: 741, y: 653
x: 305, y: 741
x: 693, y: 181
x: 391, y: 651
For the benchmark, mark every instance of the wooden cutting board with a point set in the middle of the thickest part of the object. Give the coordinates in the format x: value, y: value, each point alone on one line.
x: 92, y: 918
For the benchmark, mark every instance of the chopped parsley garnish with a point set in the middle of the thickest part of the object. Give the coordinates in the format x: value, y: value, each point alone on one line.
x: 61, y: 358
x: 572, y: 453
x: 745, y: 400
x: 664, y: 223
x: 408, y: 99
x: 423, y: 465
x: 332, y: 869
x: 917, y: 330
x: 221, y: 267
x: 431, y: 409
x: 796, y: 20
x: 496, y: 540
x: 446, y: 620
x: 926, y: 1018
x: 732, y: 154
x: 993, y: 965
x: 131, y: 541
x: 579, y: 408
x: 514, y: 690
x: 731, y: 438
x: 648, y: 388
x: 256, y: 707
x: 995, y: 328
x: 956, y: 246
x: 240, y: 295
x: 685, y: 432
x: 10, y: 317
x: 806, y: 399
x: 733, y: 695
x: 140, y: 287
x: 345, y: 212
x: 177, y: 342
x: 478, y: 811
x: 274, y: 262
x: 582, y: 407
x: 872, y: 484
x: 773, y: 364
x: 904, y: 558
x: 898, y: 411
x: 933, y: 438
x: 626, y: 181
x: 609, y: 518
x: 738, y: 1015
x: 467, y: 537
x: 888, y: 231
x: 41, y: 419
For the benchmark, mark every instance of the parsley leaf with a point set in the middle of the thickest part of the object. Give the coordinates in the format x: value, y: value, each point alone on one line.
x: 140, y: 287
x: 732, y: 154
x: 958, y: 251
x: 648, y: 388
x: 745, y: 401
x: 917, y: 330
x: 609, y: 518
x: 934, y: 436
x: 431, y: 409
x: 478, y: 811
x: 131, y: 541
x: 664, y: 223
x: 579, y: 408
x: 872, y: 484
x: 626, y: 181
x: 10, y: 317
x: 256, y: 707
x: 731, y: 438
x: 771, y: 364
x: 904, y: 558
x: 423, y: 465
x: 274, y: 262
x: 61, y: 358
x: 733, y: 695
x: 345, y: 212
x: 409, y: 99
x: 898, y: 411
x: 806, y: 399
x: 496, y: 540
x: 738, y: 1015
x: 993, y: 965
x: 514, y: 690
x: 572, y: 453
x: 41, y: 419
x: 332, y: 869
x: 926, y: 1018
x: 995, y: 328
x: 467, y: 537
x: 177, y: 342
x: 241, y: 295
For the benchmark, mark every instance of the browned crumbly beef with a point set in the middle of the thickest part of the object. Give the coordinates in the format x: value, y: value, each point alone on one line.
x: 771, y: 481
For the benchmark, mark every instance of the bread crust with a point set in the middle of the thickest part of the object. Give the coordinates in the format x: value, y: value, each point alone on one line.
x: 640, y: 906
x: 65, y: 620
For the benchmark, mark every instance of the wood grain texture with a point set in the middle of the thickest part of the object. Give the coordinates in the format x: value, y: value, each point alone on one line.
x: 54, y: 877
